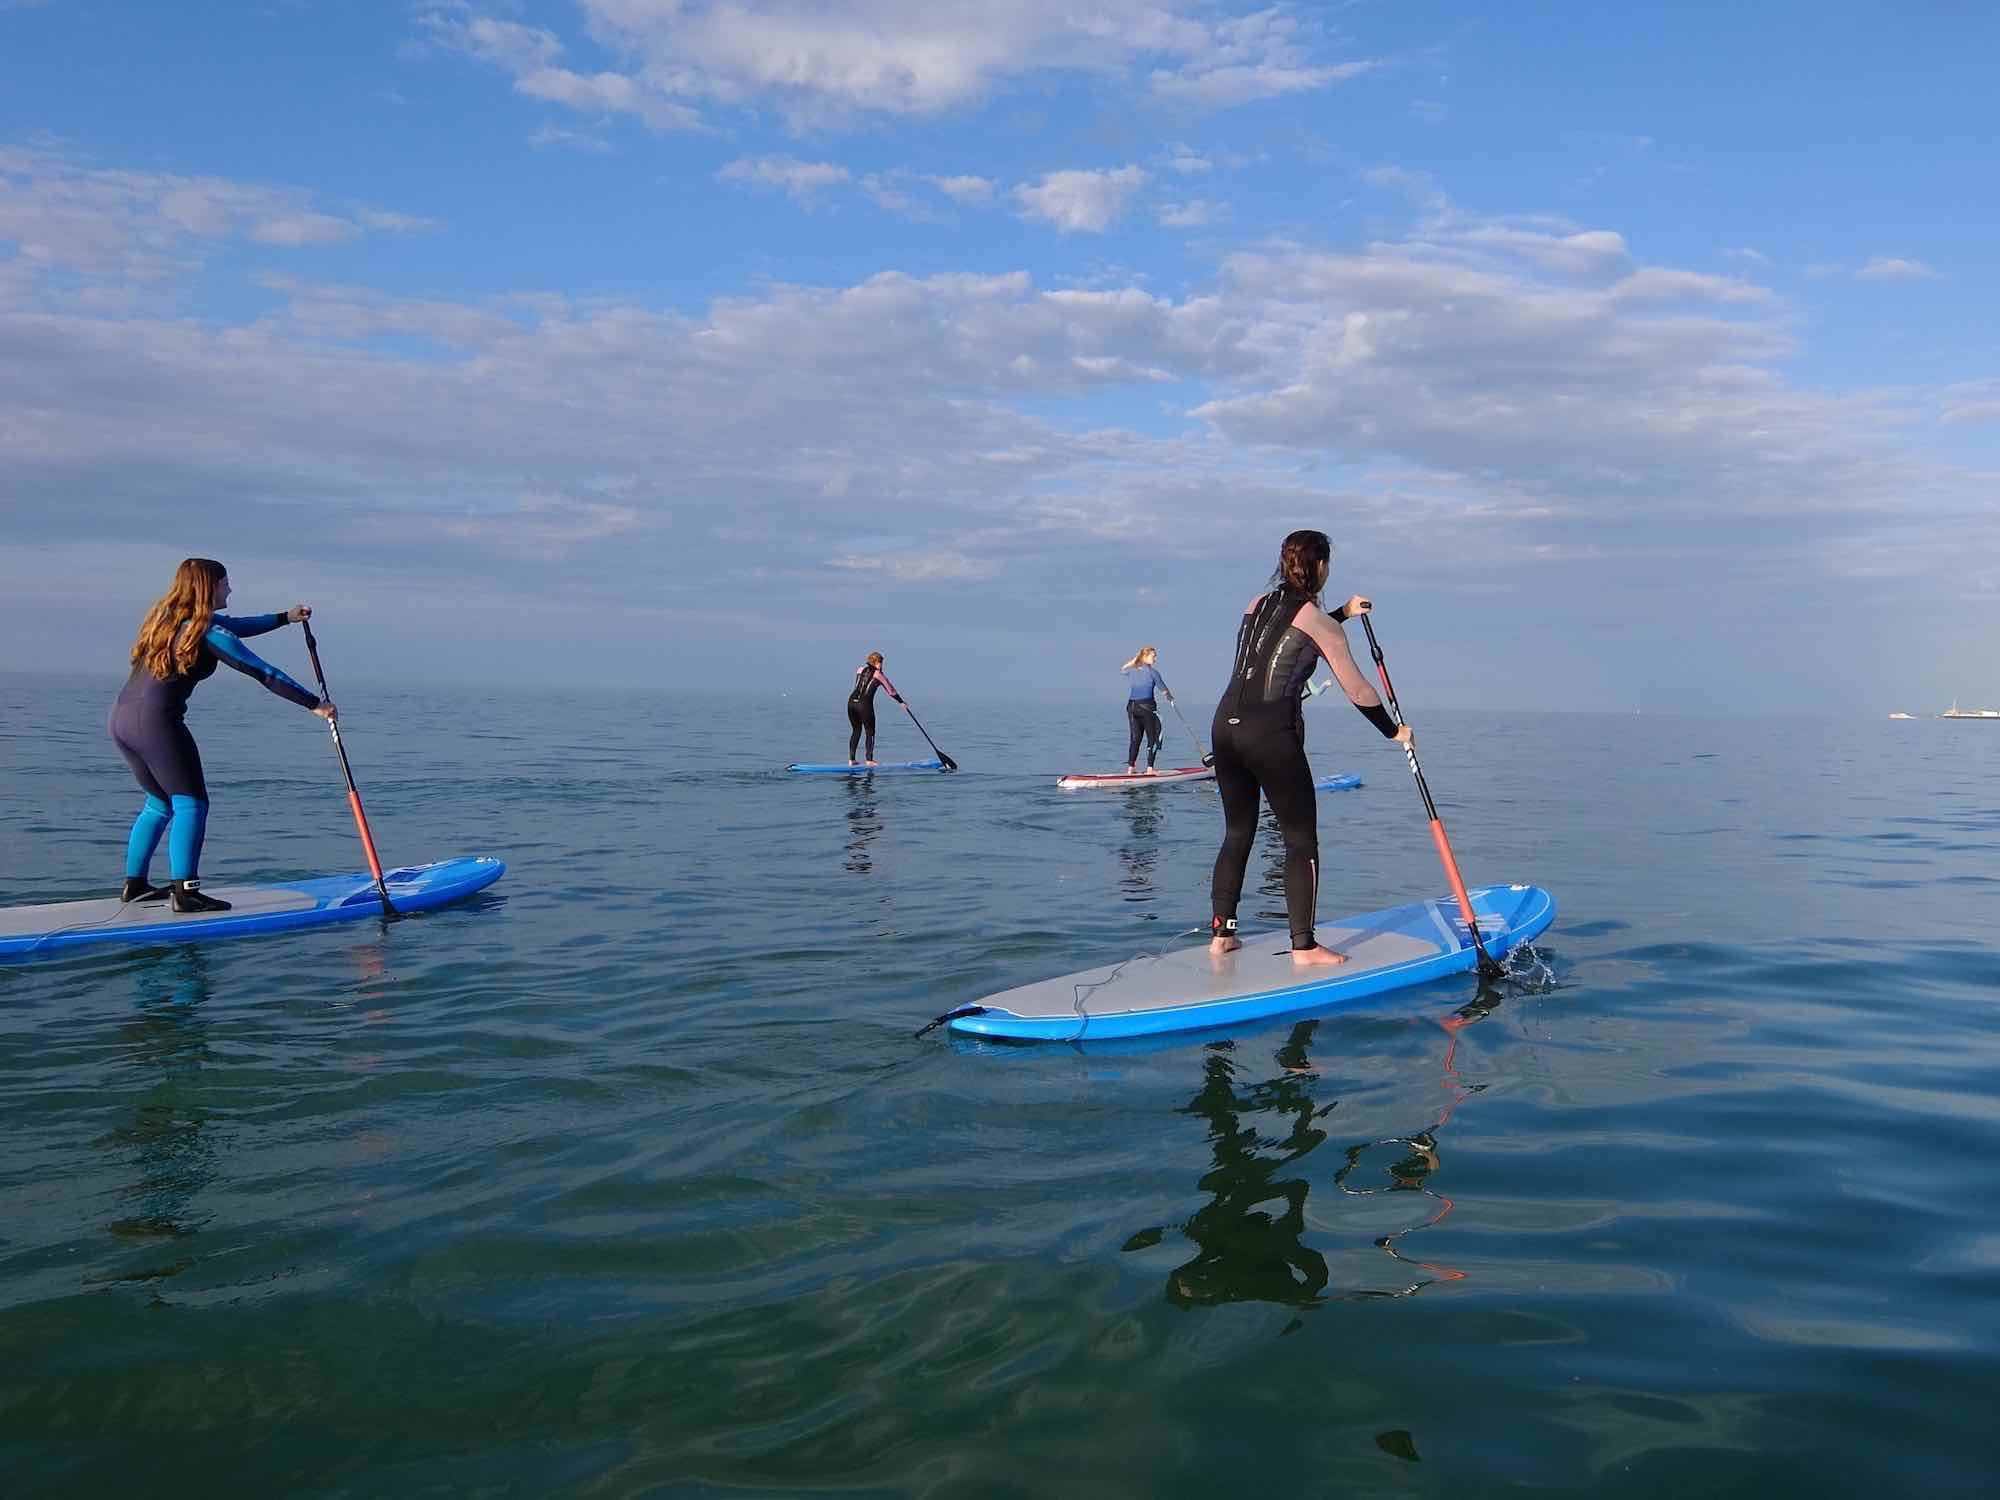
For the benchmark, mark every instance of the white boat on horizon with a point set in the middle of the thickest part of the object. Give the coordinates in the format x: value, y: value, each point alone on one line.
x: 1902, y: 716
x: 1955, y: 712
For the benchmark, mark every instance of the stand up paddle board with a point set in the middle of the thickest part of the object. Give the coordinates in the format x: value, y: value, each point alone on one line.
x: 254, y: 908
x: 1186, y: 990
x: 1081, y: 779
x: 842, y: 768
x: 1340, y: 781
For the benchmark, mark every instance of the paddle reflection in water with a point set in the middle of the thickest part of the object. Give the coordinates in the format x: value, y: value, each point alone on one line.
x: 166, y: 1043
x: 1250, y: 1236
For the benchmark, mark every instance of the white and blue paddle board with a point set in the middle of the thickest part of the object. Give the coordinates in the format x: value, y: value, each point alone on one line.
x: 842, y: 768
x: 1078, y: 781
x: 1339, y: 781
x: 254, y: 909
x: 1187, y: 990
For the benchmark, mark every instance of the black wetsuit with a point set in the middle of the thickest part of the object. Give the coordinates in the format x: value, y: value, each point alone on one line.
x: 861, y: 709
x: 1259, y: 738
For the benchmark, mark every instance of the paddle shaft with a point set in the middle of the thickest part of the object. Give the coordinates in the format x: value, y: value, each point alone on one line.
x: 1174, y: 703
x: 944, y: 760
x: 353, y: 792
x: 1486, y: 962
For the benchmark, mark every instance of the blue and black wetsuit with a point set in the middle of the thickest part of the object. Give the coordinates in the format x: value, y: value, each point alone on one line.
x: 148, y: 725
x: 1142, y: 715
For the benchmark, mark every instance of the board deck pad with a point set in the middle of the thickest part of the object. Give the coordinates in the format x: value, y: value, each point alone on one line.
x: 1187, y: 990
x: 1078, y: 780
x: 276, y: 907
x: 842, y: 768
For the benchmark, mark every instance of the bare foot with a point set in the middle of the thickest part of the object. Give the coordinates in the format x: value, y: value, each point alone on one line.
x: 1307, y: 958
x: 1219, y: 946
x: 871, y: 762
x: 1152, y: 770
x: 1131, y: 770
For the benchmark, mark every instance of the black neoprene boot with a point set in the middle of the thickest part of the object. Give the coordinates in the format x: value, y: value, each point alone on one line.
x: 187, y: 896
x: 136, y: 889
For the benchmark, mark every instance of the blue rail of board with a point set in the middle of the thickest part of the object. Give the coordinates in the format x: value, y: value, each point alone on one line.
x: 841, y: 768
x: 277, y: 906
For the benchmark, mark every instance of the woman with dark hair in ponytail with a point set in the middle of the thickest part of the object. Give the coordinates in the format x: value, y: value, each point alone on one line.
x: 1259, y: 736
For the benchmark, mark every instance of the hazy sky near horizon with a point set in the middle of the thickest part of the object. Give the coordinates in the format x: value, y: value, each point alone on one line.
x: 1631, y: 355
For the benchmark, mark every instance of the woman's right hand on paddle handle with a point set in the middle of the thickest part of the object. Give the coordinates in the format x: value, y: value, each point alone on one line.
x: 327, y: 711
x: 299, y: 612
x: 1407, y: 737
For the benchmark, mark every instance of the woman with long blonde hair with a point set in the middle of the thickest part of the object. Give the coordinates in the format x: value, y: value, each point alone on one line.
x: 180, y: 642
x: 1142, y: 709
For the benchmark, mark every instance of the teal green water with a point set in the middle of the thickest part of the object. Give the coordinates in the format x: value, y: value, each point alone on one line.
x: 630, y: 1178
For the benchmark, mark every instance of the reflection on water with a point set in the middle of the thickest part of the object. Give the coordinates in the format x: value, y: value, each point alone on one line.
x: 1250, y: 1235
x: 174, y: 1152
x: 1140, y: 850
x: 864, y: 821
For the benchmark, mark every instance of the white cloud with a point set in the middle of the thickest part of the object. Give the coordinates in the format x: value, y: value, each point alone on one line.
x: 801, y: 181
x: 294, y: 229
x: 820, y: 64
x: 1195, y: 213
x: 918, y: 566
x: 1894, y: 268
x: 545, y: 525
x: 1186, y: 161
x: 1970, y: 402
x: 1263, y: 55
x: 966, y: 190
x: 1745, y: 253
x: 1430, y: 111
x: 1088, y: 202
x: 93, y: 232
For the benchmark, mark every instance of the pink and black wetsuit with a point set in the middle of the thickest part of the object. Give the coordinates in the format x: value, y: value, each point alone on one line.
x: 861, y: 706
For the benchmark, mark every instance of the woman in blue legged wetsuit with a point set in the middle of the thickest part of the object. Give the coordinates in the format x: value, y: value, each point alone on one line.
x: 179, y: 645
x: 1142, y: 709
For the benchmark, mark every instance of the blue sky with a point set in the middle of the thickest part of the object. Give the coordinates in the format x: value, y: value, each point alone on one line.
x: 1628, y: 357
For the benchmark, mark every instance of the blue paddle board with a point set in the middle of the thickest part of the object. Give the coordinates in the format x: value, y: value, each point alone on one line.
x: 254, y: 909
x: 1187, y: 990
x: 1339, y: 781
x: 842, y: 768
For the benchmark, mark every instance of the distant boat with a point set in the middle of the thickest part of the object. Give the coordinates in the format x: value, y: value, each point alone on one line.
x: 1902, y: 716
x: 1955, y: 712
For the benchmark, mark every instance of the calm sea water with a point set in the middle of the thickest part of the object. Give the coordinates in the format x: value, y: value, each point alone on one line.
x: 631, y: 1178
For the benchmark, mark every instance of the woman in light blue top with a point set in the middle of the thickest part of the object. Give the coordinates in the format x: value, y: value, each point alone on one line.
x: 1142, y: 709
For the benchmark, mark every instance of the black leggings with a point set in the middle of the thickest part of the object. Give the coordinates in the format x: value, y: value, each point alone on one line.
x: 1265, y: 753
x: 860, y: 720
x: 1142, y: 718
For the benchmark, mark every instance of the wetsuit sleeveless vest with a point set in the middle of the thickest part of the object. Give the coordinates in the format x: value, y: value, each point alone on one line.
x: 1274, y: 660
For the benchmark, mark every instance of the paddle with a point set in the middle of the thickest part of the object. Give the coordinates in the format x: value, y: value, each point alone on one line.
x: 353, y: 794
x: 1488, y: 968
x: 944, y: 760
x: 1174, y: 704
